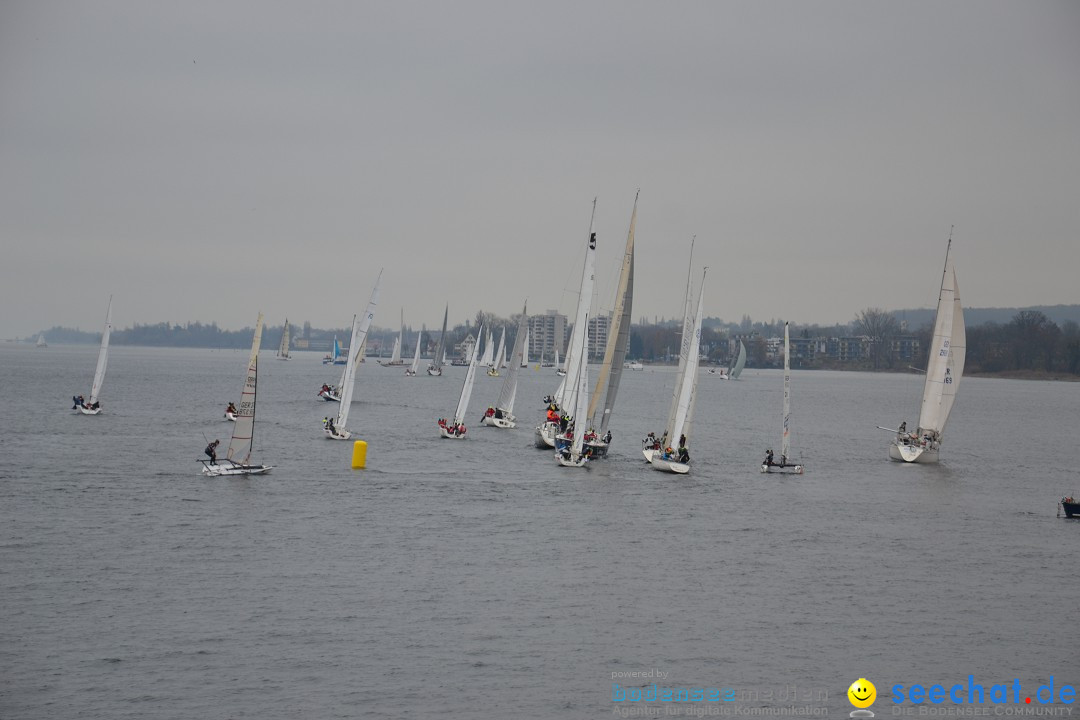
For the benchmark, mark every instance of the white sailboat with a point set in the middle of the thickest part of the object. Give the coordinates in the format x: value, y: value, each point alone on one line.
x: 456, y: 430
x: 435, y: 368
x: 238, y: 459
x: 93, y: 407
x: 560, y: 370
x: 489, y: 351
x: 785, y: 465
x: 395, y: 354
x: 943, y: 372
x: 615, y: 352
x: 499, y: 359
x: 415, y: 365
x: 41, y: 341
x: 338, y: 430
x: 572, y: 453
x: 501, y: 415
x: 283, y: 348
x: 546, y: 432
x: 686, y: 386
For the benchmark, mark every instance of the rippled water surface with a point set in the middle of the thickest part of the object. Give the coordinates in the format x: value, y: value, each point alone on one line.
x: 479, y: 579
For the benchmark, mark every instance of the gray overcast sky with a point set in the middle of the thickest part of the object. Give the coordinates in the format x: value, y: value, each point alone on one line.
x: 205, y: 160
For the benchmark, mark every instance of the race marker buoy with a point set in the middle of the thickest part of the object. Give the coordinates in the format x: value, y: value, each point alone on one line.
x: 359, y: 455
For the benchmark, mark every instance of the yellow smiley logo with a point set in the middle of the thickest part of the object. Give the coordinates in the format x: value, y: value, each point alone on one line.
x: 862, y: 693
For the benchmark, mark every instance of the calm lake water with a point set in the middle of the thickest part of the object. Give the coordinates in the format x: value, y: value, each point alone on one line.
x: 478, y: 579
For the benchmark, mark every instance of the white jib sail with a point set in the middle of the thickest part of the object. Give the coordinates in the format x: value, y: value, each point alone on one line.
x: 581, y: 401
x: 283, y: 348
x: 103, y: 356
x: 509, y: 387
x: 785, y: 441
x: 416, y: 354
x: 466, y: 389
x: 359, y: 335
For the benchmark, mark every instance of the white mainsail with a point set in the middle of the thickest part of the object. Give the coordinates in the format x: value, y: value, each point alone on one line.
x: 440, y: 351
x: 736, y: 368
x: 103, y: 356
x: 684, y: 411
x: 581, y: 328
x: 244, y: 427
x: 41, y: 340
x: 946, y: 362
x: 416, y: 355
x: 359, y: 335
x: 670, y: 436
x: 466, y: 389
x: 489, y: 351
x: 500, y: 354
x: 508, y: 393
x: 785, y: 442
x: 525, y: 350
x: 395, y: 354
x: 283, y: 348
x: 618, y: 337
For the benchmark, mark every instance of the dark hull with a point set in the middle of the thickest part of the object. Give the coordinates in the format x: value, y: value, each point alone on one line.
x: 1072, y: 509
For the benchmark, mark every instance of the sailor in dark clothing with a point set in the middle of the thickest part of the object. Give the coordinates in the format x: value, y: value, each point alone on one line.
x: 769, y: 458
x: 211, y: 450
x: 684, y: 455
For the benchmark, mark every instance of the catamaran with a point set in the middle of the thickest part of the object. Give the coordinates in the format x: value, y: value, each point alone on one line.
x: 501, y: 415
x: 283, y: 348
x: 546, y: 432
x: 456, y: 429
x: 94, y: 406
x: 238, y: 458
x: 338, y: 431
x: 615, y: 351
x: 943, y: 372
x: 785, y: 465
x: 415, y: 365
x: 435, y: 368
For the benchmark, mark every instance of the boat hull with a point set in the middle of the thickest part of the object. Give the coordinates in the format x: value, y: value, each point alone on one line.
x: 434, y: 372
x: 87, y: 411
x: 545, y: 435
x: 230, y: 416
x: 329, y: 397
x: 337, y: 435
x: 503, y: 422
x: 1072, y: 509
x: 570, y: 461
x: 659, y: 463
x: 235, y: 469
x: 596, y: 449
x: 446, y: 434
x: 782, y: 469
x: 649, y: 453
x: 913, y: 453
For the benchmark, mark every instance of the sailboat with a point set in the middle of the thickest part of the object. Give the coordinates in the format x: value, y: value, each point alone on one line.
x: 560, y: 370
x: 395, y: 354
x: 338, y: 430
x: 41, y: 341
x: 571, y: 452
x: 615, y: 353
x: 785, y: 466
x: 238, y: 458
x: 680, y: 415
x: 415, y: 365
x: 94, y: 406
x: 456, y: 429
x: 501, y: 415
x: 735, y: 368
x: 336, y: 356
x: 943, y: 372
x: 435, y: 368
x: 546, y: 432
x: 283, y: 348
x: 499, y: 359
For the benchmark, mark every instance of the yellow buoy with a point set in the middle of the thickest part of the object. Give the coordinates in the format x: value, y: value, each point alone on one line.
x: 359, y: 454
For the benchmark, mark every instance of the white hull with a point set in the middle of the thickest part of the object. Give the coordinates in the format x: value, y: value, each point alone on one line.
x: 230, y: 416
x: 337, y: 435
x: 649, y: 453
x: 786, y: 469
x: 913, y: 453
x: 434, y: 372
x: 329, y: 397
x: 570, y: 462
x: 235, y: 469
x: 545, y: 435
x: 444, y: 433
x: 283, y: 357
x: 88, y: 411
x: 721, y: 374
x: 658, y: 463
x: 504, y: 423
x: 560, y: 373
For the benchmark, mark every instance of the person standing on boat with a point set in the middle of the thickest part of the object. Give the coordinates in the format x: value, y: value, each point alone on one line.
x: 211, y: 450
x: 769, y: 457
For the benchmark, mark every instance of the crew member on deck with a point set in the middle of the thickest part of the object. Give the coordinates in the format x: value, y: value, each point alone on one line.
x: 211, y: 450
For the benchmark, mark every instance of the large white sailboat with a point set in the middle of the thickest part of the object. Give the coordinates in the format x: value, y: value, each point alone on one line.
x: 283, y: 348
x: 456, y: 430
x: 435, y: 368
x: 615, y: 352
x: 338, y: 430
x: 943, y: 372
x: 546, y: 432
x: 785, y: 465
x: 93, y: 406
x: 501, y: 415
x: 678, y: 461
x: 570, y: 452
x: 238, y: 458
x: 415, y: 365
